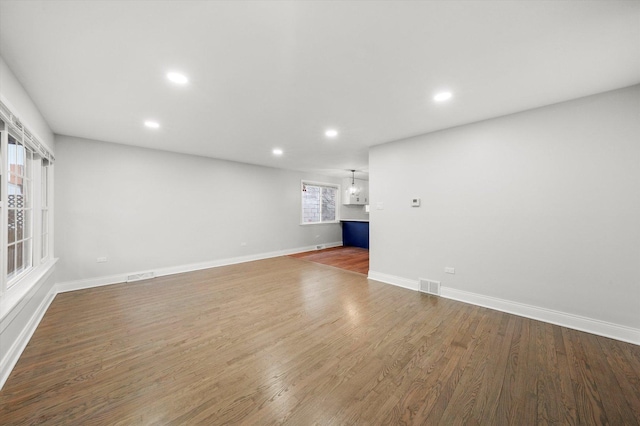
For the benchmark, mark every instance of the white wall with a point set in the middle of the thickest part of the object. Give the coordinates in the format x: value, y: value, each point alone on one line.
x: 147, y: 209
x: 348, y: 212
x: 17, y: 99
x: 540, y: 208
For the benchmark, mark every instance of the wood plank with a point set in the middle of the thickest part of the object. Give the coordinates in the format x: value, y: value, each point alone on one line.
x: 350, y: 258
x: 290, y: 341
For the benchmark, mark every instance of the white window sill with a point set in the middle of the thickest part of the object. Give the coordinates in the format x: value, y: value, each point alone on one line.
x: 22, y: 287
x: 320, y: 223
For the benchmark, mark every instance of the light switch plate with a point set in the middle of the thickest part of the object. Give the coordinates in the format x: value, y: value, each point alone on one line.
x: 415, y: 202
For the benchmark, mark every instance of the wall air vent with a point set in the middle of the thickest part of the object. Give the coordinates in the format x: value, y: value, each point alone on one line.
x: 140, y: 276
x: 429, y: 287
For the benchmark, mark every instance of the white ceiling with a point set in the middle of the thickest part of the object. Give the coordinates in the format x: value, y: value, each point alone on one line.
x: 267, y: 74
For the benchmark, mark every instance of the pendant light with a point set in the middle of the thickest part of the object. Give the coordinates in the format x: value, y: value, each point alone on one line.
x: 353, y: 188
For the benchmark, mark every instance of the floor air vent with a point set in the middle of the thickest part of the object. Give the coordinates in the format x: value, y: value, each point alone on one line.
x: 140, y: 276
x: 430, y: 287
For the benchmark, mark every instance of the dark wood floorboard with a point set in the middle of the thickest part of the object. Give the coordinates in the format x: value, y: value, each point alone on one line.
x: 350, y: 258
x: 286, y: 341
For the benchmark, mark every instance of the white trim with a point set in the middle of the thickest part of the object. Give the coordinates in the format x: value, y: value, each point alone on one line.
x: 394, y: 280
x: 121, y: 278
x: 4, y: 140
x: 317, y: 183
x: 12, y: 355
x: 18, y: 294
x: 576, y: 322
x: 90, y: 283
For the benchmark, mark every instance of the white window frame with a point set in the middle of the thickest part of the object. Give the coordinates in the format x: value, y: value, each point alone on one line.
x: 45, y: 209
x: 334, y: 186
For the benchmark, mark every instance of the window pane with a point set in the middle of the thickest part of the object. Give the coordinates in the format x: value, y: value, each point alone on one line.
x: 11, y: 226
x: 328, y: 204
x: 311, y: 204
x: 12, y: 154
x: 19, y: 215
x: 11, y: 259
x: 19, y: 256
x: 20, y: 158
x: 45, y: 186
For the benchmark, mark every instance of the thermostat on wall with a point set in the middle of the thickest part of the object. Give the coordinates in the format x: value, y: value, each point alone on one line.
x: 415, y: 202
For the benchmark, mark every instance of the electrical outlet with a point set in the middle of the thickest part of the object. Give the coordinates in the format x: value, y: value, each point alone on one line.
x: 450, y: 270
x: 101, y: 259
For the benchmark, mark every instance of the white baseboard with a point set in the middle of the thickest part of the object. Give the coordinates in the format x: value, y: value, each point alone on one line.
x: 121, y: 278
x: 394, y: 280
x: 90, y: 283
x: 576, y: 322
x: 11, y: 356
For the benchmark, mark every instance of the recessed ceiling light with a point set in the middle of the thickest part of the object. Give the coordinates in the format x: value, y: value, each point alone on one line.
x: 177, y: 78
x: 152, y: 124
x: 277, y: 151
x: 331, y: 133
x: 442, y: 96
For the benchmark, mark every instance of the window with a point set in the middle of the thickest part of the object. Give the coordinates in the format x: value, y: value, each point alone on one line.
x: 319, y: 203
x: 26, y: 170
x: 19, y: 208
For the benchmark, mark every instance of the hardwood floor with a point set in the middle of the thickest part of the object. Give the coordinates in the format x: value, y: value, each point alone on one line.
x: 350, y: 258
x: 287, y: 341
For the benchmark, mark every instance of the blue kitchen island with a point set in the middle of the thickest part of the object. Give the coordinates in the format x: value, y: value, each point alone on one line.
x: 355, y: 233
